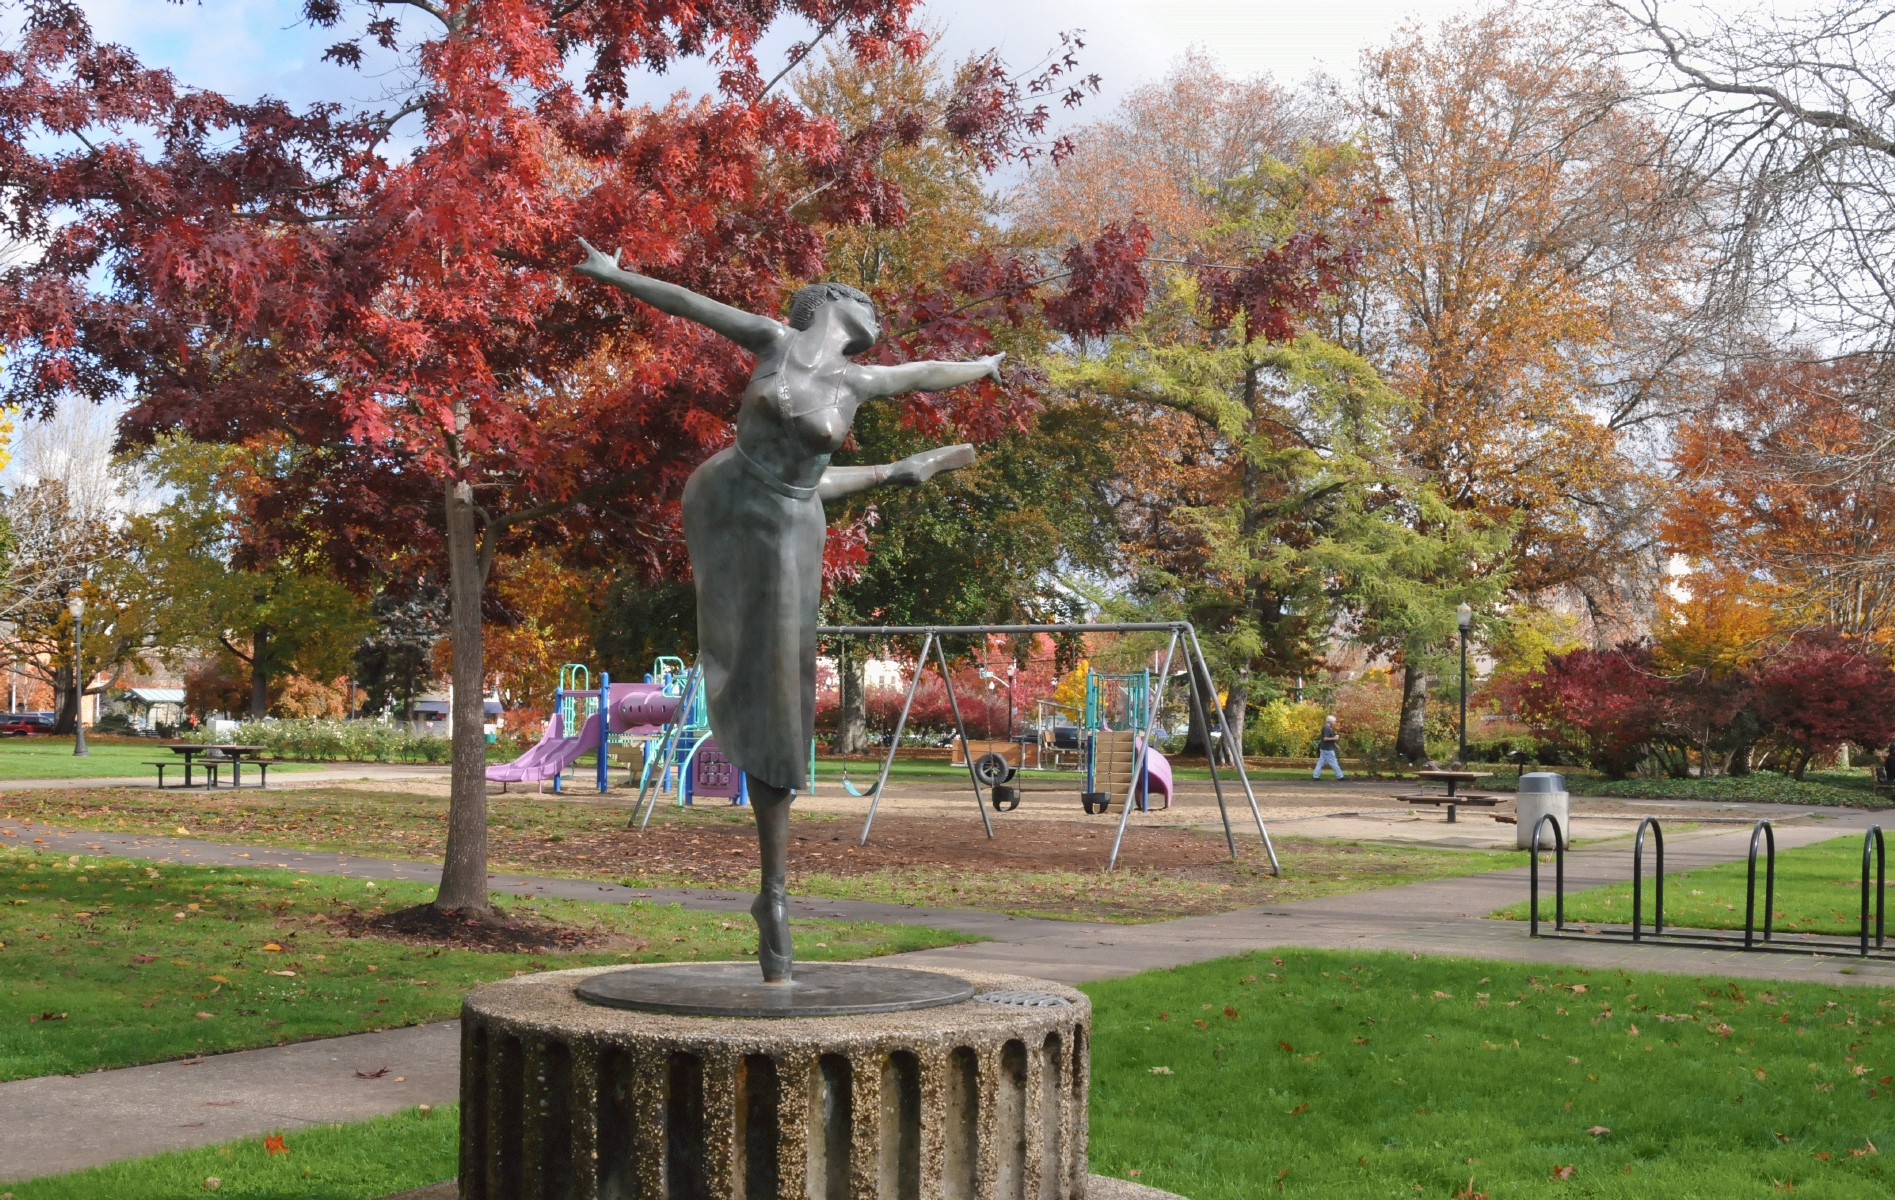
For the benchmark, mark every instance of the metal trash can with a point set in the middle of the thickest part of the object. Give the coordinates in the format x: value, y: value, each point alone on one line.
x: 1540, y: 793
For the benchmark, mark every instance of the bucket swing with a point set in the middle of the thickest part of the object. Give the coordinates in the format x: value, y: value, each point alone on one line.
x: 990, y: 769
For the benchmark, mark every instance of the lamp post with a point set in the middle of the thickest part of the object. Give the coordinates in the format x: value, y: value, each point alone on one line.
x: 77, y: 605
x: 1464, y: 617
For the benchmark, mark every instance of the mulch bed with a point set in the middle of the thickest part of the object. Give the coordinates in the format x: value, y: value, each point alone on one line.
x: 720, y: 853
x: 425, y: 925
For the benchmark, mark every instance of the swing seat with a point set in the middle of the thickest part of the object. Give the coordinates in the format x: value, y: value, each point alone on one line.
x: 853, y: 791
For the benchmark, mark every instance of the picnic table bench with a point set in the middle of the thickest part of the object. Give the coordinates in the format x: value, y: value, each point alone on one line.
x: 1476, y: 799
x: 213, y: 757
x: 1452, y: 799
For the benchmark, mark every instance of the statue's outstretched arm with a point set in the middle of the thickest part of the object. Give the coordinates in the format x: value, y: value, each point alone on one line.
x: 755, y: 334
x: 838, y: 482
x: 870, y: 382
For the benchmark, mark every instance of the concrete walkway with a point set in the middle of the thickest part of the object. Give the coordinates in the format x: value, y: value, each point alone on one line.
x: 57, y: 1124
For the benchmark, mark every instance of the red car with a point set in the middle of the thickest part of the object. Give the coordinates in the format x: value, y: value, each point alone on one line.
x: 21, y: 724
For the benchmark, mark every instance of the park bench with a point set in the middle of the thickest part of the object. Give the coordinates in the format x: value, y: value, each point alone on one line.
x: 1451, y: 802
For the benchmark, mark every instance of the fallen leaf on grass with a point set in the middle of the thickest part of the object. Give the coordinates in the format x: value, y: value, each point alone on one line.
x: 378, y: 1072
x: 1286, y: 1048
x: 1154, y: 1071
x: 1599, y: 1131
x: 1822, y: 1156
x: 45, y: 1016
x: 1468, y: 1192
x: 1230, y: 1012
x: 1134, y: 1173
x: 217, y: 979
x: 213, y: 1183
x: 1571, y: 1061
x: 142, y: 959
x: 272, y: 947
x: 204, y: 1016
x: 1760, y: 1073
x: 1867, y: 1149
x: 1299, y: 1109
x: 1362, y: 1041
x: 1577, y: 989
x: 285, y: 974
x: 273, y: 1145
x: 1561, y: 1174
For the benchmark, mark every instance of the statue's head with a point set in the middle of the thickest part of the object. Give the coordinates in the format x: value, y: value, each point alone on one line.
x: 853, y: 307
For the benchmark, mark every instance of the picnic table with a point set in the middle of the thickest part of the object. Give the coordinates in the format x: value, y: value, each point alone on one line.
x: 210, y: 758
x: 1451, y: 799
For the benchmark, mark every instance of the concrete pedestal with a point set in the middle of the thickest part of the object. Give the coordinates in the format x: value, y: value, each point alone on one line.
x: 984, y: 1099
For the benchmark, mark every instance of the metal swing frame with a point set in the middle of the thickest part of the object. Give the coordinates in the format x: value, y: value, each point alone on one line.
x: 1195, y: 668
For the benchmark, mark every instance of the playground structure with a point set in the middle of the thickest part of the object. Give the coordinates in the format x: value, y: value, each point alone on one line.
x: 666, y: 719
x: 1139, y: 762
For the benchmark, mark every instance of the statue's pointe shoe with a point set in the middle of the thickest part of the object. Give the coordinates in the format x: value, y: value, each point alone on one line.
x: 772, y: 912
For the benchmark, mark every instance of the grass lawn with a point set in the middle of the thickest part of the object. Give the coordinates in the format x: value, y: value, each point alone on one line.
x: 1379, y: 1075
x: 1348, y: 1075
x: 109, y: 962
x: 362, y: 1160
x: 1819, y: 890
x: 48, y: 757
x: 585, y: 839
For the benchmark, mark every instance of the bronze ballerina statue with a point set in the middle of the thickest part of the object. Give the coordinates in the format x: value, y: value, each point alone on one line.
x: 754, y: 528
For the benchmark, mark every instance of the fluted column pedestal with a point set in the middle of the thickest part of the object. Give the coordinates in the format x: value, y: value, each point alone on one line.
x: 984, y: 1099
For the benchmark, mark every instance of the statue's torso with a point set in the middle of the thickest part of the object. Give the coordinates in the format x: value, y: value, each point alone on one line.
x: 795, y: 416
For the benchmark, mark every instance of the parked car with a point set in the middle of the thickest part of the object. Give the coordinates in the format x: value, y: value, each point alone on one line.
x: 23, y: 723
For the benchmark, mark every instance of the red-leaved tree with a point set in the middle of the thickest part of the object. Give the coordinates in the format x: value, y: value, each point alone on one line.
x: 1821, y: 691
x: 405, y: 327
x: 1609, y: 704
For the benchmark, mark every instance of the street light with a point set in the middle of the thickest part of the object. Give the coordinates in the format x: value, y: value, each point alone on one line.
x: 1464, y: 617
x: 77, y: 605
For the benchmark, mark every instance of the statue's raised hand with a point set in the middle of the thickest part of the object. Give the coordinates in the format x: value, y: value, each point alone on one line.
x: 598, y: 264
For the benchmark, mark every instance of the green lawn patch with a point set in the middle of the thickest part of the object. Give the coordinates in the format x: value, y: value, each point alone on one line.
x: 109, y: 962
x: 1382, y: 1075
x: 361, y: 1160
x: 1818, y: 890
x: 48, y: 757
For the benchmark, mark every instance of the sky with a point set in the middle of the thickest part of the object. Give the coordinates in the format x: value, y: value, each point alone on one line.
x: 246, y: 48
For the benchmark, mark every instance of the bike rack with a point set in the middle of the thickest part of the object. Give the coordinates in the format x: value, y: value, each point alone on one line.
x: 1762, y: 836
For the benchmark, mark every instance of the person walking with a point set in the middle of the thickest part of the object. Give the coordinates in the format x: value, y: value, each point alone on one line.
x: 1330, y: 743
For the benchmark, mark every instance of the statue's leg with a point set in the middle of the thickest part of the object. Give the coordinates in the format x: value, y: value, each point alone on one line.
x: 771, y: 908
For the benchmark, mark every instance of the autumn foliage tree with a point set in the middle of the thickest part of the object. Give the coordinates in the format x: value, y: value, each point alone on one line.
x: 409, y: 321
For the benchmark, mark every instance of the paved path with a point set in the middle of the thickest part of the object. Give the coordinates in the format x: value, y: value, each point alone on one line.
x: 56, y: 1124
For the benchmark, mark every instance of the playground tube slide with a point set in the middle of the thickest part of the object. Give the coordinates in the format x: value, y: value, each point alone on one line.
x: 552, y: 755
x: 1157, y: 776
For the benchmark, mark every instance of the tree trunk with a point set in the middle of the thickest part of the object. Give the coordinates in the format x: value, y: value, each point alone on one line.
x: 259, y: 676
x: 65, y: 701
x: 1236, y: 708
x: 1411, y: 742
x: 464, y: 873
x: 1197, y: 738
x: 1738, y: 764
x: 852, y: 707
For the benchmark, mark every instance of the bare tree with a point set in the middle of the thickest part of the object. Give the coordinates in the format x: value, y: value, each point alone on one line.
x: 1795, y: 116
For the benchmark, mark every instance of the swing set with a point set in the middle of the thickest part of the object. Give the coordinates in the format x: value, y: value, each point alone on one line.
x: 1138, y: 706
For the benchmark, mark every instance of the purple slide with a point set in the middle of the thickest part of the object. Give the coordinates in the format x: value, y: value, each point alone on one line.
x: 1157, y: 778
x: 552, y: 755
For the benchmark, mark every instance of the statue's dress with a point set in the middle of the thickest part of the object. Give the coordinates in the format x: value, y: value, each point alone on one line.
x: 756, y: 546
